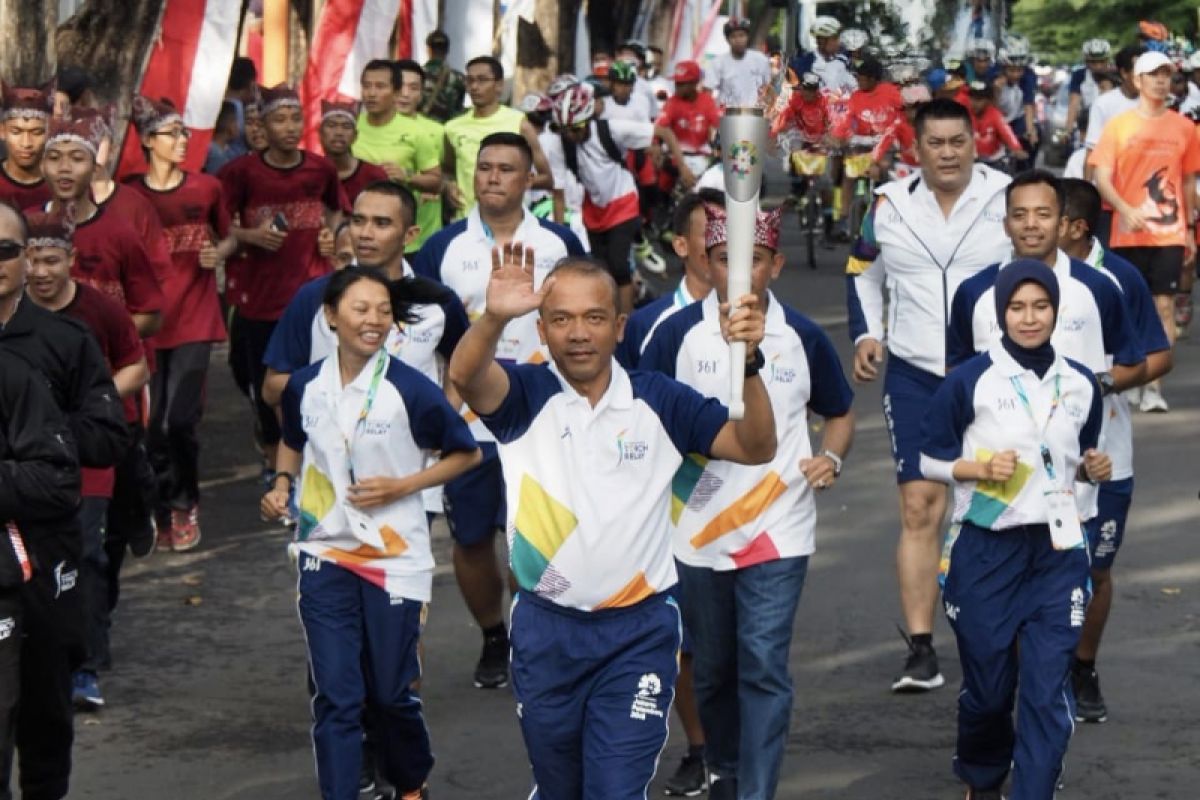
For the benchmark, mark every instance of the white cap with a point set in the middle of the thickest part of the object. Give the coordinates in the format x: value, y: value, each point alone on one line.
x: 1149, y: 62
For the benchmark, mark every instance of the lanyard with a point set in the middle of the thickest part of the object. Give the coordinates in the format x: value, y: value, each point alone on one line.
x: 680, y: 300
x: 381, y: 362
x: 1047, y: 460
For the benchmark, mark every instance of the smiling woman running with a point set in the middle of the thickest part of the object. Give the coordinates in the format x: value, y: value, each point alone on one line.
x: 1012, y: 429
x: 365, y: 423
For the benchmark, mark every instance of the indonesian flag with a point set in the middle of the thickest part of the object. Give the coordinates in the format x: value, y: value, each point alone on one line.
x: 189, y: 64
x: 349, y: 34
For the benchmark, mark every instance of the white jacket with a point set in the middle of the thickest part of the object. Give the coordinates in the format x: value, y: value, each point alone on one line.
x: 921, y: 256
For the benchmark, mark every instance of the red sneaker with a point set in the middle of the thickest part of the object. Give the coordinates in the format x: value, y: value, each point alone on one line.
x: 185, y: 529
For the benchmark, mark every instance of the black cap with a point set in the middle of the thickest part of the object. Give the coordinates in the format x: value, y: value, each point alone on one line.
x: 980, y: 88
x: 870, y: 67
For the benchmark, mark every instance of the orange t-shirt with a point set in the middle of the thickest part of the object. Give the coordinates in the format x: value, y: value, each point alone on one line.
x: 1149, y: 159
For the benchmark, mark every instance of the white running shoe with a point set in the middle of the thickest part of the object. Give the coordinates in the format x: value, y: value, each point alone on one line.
x: 1152, y: 400
x: 1133, y: 396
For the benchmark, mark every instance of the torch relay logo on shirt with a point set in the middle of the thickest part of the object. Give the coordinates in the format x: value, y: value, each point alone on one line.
x: 630, y: 451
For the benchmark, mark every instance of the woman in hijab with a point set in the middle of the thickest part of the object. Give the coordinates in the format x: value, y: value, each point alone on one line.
x: 1011, y: 430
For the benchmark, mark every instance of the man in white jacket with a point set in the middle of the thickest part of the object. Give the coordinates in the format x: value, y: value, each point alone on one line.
x: 923, y: 237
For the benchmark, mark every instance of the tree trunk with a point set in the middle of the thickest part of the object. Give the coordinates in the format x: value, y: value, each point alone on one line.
x: 538, y: 50
x: 27, y: 58
x: 111, y: 39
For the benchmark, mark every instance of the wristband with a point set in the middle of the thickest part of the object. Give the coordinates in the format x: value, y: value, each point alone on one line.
x: 837, y: 462
x: 291, y: 479
x: 752, y: 367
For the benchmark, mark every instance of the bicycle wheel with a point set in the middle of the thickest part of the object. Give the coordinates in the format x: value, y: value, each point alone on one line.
x: 811, y: 222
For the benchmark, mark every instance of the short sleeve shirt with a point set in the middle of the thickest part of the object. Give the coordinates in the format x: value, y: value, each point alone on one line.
x: 192, y: 214
x: 261, y: 283
x: 589, y: 488
x: 1149, y: 159
x: 693, y: 122
x: 465, y: 132
x: 737, y: 81
x: 109, y: 256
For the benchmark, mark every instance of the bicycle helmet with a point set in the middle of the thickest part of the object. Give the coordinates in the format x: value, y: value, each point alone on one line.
x: 854, y: 39
x: 1154, y: 31
x: 736, y: 24
x: 981, y: 48
x: 810, y: 80
x: 561, y: 84
x: 533, y: 103
x: 823, y: 27
x: 1096, y: 50
x: 620, y: 72
x: 1015, y: 54
x: 574, y: 106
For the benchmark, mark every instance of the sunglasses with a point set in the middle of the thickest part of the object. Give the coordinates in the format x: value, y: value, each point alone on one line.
x: 10, y: 249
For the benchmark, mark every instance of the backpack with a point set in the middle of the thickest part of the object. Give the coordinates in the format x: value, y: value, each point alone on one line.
x: 604, y: 133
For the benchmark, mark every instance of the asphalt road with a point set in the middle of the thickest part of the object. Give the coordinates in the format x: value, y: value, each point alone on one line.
x: 207, y: 699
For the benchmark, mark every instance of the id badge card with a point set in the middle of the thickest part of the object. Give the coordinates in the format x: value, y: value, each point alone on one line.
x: 363, y: 527
x: 1066, y: 531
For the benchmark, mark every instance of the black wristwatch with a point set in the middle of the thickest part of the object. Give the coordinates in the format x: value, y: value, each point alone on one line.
x: 752, y: 367
x: 1108, y: 384
x: 291, y: 479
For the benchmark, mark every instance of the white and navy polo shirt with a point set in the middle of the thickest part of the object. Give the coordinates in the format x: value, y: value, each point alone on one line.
x: 460, y: 256
x: 303, y: 336
x: 1092, y: 321
x: 589, y: 488
x: 1117, y: 439
x: 725, y: 515
x: 408, y: 416
x: 977, y: 412
x: 644, y: 321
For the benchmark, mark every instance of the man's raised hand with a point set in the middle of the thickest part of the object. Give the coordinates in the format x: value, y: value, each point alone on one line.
x: 510, y: 292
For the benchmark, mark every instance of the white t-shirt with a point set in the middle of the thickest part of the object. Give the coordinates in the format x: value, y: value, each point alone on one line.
x: 1107, y: 106
x: 639, y: 108
x: 735, y: 81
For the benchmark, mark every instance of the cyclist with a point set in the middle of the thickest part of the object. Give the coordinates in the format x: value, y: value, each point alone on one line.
x: 694, y: 118
x: 827, y: 61
x: 1085, y: 81
x: 980, y: 61
x: 992, y: 133
x: 1016, y: 94
x: 871, y: 112
x: 902, y: 136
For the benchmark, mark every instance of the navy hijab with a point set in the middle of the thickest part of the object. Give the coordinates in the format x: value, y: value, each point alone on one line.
x: 1010, y: 278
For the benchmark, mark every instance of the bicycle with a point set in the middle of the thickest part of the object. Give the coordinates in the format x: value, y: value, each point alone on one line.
x: 811, y: 168
x: 857, y: 166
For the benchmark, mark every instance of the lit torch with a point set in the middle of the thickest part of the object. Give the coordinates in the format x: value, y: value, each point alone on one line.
x: 743, y: 143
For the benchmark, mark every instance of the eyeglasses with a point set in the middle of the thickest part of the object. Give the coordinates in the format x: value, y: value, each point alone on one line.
x: 182, y: 133
x: 10, y: 249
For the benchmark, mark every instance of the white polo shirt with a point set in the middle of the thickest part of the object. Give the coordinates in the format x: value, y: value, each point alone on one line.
x: 907, y: 244
x: 324, y: 420
x: 643, y: 322
x: 977, y: 412
x: 589, y: 489
x: 460, y: 256
x: 729, y: 516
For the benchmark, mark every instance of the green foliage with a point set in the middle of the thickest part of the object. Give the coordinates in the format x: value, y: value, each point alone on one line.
x: 1057, y: 28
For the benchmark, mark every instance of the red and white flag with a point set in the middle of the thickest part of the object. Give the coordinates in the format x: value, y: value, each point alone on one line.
x: 349, y: 34
x: 189, y: 64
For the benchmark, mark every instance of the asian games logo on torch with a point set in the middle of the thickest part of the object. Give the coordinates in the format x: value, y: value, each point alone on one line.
x: 743, y: 158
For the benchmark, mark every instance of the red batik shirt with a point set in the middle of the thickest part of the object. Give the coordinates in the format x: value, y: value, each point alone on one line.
x: 23, y: 195
x: 109, y: 256
x: 363, y: 176
x: 262, y: 283
x: 192, y: 214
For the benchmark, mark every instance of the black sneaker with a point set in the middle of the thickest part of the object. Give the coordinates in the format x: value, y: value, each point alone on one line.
x: 690, y: 778
x: 366, y: 778
x: 1089, y: 703
x: 921, y: 673
x: 492, y: 670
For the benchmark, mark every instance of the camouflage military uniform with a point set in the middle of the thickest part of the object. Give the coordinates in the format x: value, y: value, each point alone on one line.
x: 444, y: 91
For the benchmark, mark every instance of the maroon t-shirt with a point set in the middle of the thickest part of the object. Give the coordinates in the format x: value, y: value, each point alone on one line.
x: 23, y: 195
x: 262, y: 283
x: 192, y: 214
x: 109, y: 256
x: 139, y: 212
x: 363, y: 176
x: 119, y: 342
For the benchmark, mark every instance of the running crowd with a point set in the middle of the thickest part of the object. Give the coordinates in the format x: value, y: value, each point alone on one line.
x: 441, y: 316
